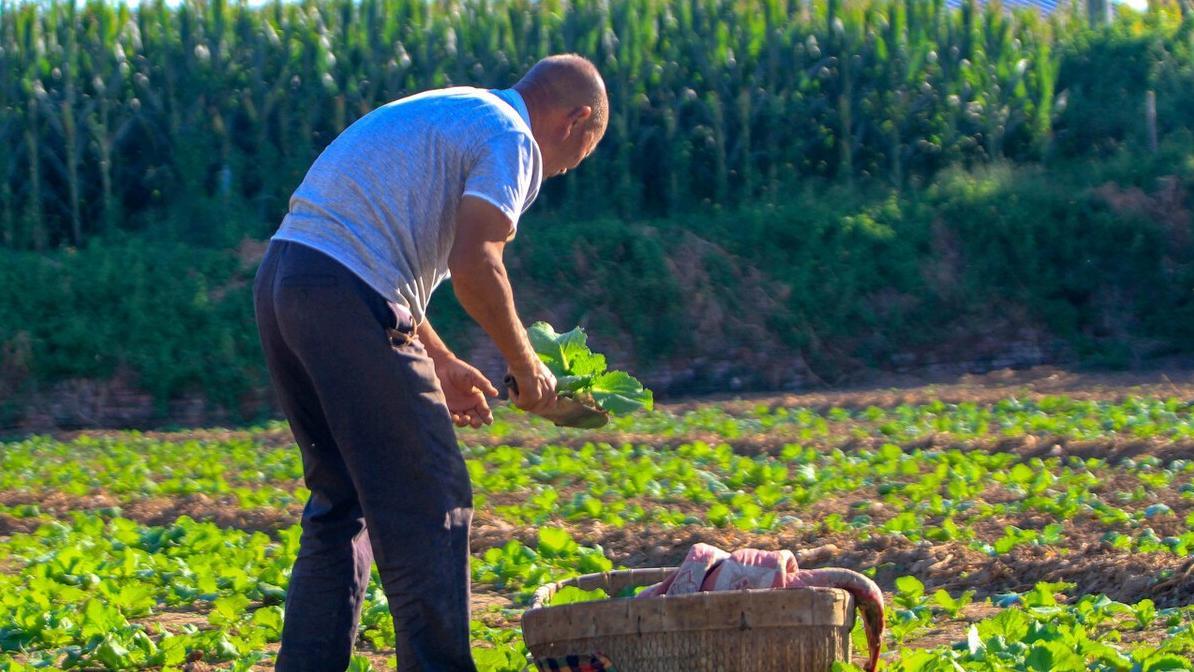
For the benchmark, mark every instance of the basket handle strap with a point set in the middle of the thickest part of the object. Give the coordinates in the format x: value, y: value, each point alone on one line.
x: 593, y: 662
x: 543, y: 595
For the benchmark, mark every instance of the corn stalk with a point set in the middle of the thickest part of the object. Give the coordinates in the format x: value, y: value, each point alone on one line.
x: 207, y: 114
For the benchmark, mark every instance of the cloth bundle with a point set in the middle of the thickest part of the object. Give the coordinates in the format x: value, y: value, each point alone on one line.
x: 707, y: 568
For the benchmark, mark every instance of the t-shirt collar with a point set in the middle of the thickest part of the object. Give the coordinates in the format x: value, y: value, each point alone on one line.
x: 515, y: 99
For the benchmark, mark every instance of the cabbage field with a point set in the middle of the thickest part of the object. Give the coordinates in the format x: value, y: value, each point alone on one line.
x: 1010, y: 529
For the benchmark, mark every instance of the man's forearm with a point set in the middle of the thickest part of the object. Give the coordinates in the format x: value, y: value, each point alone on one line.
x: 435, y: 346
x: 483, y: 290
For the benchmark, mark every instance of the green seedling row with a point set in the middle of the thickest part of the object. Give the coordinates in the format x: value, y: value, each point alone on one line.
x: 90, y: 580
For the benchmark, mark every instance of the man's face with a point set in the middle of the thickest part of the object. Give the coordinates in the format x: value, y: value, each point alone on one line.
x: 578, y: 147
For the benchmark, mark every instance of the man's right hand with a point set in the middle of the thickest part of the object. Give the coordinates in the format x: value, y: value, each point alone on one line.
x: 536, y: 388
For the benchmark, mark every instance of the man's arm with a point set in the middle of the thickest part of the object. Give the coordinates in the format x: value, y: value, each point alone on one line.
x: 435, y: 346
x: 464, y: 387
x: 483, y: 289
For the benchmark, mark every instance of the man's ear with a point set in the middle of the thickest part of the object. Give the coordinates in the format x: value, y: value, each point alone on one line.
x: 577, y: 118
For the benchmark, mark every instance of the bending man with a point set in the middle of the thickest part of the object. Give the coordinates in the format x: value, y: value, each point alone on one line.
x: 423, y: 187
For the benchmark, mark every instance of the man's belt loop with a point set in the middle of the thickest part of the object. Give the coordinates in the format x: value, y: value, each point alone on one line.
x: 400, y: 338
x: 402, y: 316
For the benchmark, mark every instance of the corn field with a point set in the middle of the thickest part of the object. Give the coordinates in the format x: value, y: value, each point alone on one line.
x: 202, y: 118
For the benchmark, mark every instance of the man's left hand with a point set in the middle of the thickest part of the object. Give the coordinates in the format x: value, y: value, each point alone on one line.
x: 465, y: 389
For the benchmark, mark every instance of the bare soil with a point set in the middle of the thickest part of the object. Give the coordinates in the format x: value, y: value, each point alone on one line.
x: 149, y: 511
x: 1112, y: 449
x: 1032, y: 383
x: 1095, y: 567
x: 883, y: 391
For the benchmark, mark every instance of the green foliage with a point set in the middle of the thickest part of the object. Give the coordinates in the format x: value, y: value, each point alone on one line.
x: 199, y: 119
x: 565, y: 354
x: 167, y: 318
x: 580, y: 372
x: 842, y: 276
x: 573, y: 595
x: 952, y: 606
x: 848, y: 182
x: 1145, y: 612
x: 1106, y: 75
x: 839, y: 277
x: 910, y: 592
x: 84, y: 587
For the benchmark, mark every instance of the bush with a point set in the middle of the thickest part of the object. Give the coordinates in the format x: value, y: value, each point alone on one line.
x: 178, y: 317
x: 843, y: 277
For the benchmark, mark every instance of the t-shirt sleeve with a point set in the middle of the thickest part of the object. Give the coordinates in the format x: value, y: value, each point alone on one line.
x: 504, y: 173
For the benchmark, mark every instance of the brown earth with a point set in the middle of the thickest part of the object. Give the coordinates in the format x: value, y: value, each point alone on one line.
x: 1030, y: 384
x: 149, y: 511
x: 12, y: 525
x: 884, y: 392
x: 1093, y: 566
x: 163, y: 511
x: 1112, y: 449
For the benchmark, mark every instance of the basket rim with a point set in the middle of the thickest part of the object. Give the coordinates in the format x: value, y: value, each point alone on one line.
x: 644, y: 576
x: 722, y: 610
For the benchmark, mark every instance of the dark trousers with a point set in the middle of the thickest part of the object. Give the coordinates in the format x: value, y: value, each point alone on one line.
x: 387, y: 480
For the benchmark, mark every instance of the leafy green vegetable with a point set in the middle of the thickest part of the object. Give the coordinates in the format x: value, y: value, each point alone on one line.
x: 572, y: 595
x: 581, y: 373
x: 555, y: 542
x: 87, y: 589
x: 951, y: 605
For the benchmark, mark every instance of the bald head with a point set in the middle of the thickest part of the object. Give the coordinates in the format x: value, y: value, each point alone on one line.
x: 567, y: 81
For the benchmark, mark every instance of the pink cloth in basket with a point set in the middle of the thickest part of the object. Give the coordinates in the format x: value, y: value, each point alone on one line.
x: 752, y: 568
x: 708, y: 568
x: 691, y: 574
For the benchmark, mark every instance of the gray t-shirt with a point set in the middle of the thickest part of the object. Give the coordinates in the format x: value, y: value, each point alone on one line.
x: 382, y: 197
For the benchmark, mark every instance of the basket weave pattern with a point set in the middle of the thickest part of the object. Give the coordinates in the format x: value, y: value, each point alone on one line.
x: 802, y: 630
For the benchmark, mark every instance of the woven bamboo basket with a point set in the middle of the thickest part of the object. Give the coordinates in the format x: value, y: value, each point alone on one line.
x: 800, y: 630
